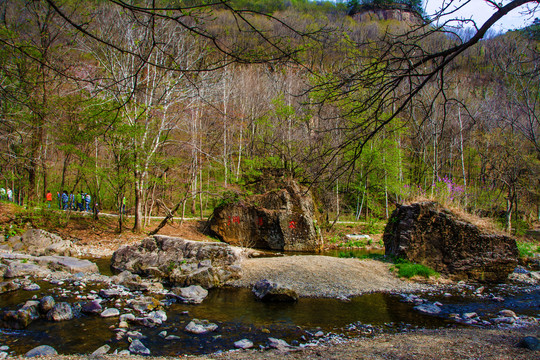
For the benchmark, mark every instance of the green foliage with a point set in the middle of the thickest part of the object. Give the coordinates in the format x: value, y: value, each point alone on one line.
x: 352, y: 254
x: 11, y: 230
x: 407, y: 269
x: 374, y: 226
x: 228, y: 197
x: 527, y: 249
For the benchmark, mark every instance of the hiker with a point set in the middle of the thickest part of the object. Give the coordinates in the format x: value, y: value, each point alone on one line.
x: 78, y: 201
x: 123, y: 205
x: 65, y: 200
x: 87, y: 199
x: 48, y: 198
x: 71, y: 204
x: 59, y: 199
x: 9, y: 194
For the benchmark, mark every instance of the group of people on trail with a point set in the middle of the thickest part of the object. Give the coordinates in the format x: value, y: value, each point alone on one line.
x: 6, y: 194
x: 81, y: 201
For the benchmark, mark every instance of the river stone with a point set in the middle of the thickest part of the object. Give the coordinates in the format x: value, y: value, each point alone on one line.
x: 101, y: 350
x: 280, y: 217
x: 32, y: 287
x: 18, y: 319
x: 137, y: 347
x: 197, y: 326
x: 507, y: 313
x: 92, y: 307
x: 529, y: 342
x: 243, y: 344
x: 172, y: 337
x: 269, y: 291
x: 428, y: 234
x: 60, y: 312
x: 110, y: 312
x: 158, y: 316
x: 279, y: 344
x: 20, y: 269
x: 42, y: 350
x: 193, y: 294
x: 143, y: 303
x: 8, y: 286
x: 429, y: 309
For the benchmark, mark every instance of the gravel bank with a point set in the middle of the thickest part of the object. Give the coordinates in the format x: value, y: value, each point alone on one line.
x: 471, y: 343
x: 324, y: 276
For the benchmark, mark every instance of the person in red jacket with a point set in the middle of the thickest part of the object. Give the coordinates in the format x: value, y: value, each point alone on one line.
x: 48, y: 197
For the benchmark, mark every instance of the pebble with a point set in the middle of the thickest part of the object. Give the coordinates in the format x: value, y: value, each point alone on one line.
x: 3, y: 355
x: 172, y: 337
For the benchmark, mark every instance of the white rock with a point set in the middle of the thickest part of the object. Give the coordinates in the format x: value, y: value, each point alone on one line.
x: 243, y: 344
x: 110, y: 312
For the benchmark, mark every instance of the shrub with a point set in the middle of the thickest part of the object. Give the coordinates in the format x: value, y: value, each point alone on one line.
x: 407, y: 269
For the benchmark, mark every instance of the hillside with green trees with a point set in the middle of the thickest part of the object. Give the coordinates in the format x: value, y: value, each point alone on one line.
x: 180, y: 103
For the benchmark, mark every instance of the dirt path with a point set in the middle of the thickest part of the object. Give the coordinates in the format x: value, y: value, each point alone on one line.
x: 324, y: 276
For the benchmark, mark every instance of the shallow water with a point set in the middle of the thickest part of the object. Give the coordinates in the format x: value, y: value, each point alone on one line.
x: 236, y: 312
x: 239, y: 316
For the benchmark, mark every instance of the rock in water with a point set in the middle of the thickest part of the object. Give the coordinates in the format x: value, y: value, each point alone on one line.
x: 530, y: 342
x: 193, y: 294
x: 137, y: 347
x: 243, y: 344
x: 428, y: 234
x: 42, y: 350
x: 268, y: 291
x: 429, y: 309
x: 275, y: 219
x: 179, y: 261
x: 101, y: 350
x: 197, y: 326
x: 110, y: 312
x: 46, y: 304
x: 60, y: 312
x: 92, y: 307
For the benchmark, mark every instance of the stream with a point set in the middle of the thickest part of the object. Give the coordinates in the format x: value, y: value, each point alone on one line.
x: 238, y: 316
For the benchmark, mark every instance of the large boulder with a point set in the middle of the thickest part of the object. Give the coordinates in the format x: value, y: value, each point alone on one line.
x: 179, y: 261
x: 428, y: 234
x: 280, y: 219
x: 39, y: 242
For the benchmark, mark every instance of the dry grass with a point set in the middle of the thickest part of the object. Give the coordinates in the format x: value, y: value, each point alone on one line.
x: 483, y: 223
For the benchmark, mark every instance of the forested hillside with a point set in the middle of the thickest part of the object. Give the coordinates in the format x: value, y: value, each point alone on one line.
x: 178, y: 102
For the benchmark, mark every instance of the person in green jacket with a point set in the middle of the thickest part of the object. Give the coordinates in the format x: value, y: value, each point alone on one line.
x: 78, y: 200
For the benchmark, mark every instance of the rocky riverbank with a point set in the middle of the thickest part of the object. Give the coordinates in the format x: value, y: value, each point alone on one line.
x: 136, y: 310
